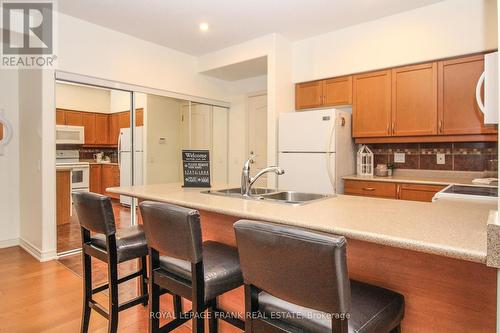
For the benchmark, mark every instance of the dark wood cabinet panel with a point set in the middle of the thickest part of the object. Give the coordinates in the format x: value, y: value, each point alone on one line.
x: 308, y: 95
x: 337, y: 91
x: 74, y: 118
x: 390, y: 190
x: 110, y: 177
x: 417, y: 192
x: 90, y: 129
x: 60, y: 117
x: 102, y: 129
x: 372, y: 104
x: 95, y: 178
x: 457, y: 108
x: 114, y: 129
x: 414, y: 100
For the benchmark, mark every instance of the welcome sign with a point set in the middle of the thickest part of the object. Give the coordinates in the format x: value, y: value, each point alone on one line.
x: 196, y: 167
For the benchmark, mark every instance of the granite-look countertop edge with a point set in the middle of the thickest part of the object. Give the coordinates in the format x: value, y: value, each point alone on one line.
x: 493, y: 246
x: 404, y: 243
x: 416, y: 180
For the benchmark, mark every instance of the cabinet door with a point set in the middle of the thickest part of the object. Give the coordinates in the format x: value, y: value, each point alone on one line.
x: 74, y: 118
x: 370, y: 189
x: 110, y: 178
x: 139, y: 117
x: 308, y: 95
x: 60, y: 117
x: 415, y: 192
x: 95, y: 178
x: 124, y: 119
x: 414, y: 100
x: 114, y: 129
x: 101, y: 129
x: 458, y: 110
x: 372, y: 104
x: 337, y: 91
x: 63, y: 194
x: 89, y: 125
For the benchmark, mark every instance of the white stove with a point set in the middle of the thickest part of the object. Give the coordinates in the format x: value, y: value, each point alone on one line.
x: 473, y: 193
x: 79, y: 170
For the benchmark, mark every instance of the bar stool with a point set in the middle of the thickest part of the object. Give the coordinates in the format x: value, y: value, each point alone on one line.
x: 95, y: 214
x: 296, y: 281
x: 198, y: 271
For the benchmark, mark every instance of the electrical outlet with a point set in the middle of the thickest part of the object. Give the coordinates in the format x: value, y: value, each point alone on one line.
x: 162, y: 141
x: 440, y: 158
x: 399, y: 157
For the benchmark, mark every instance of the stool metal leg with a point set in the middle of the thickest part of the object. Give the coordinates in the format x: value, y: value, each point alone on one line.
x: 113, y: 285
x: 144, y: 278
x: 213, y: 323
x: 177, y: 306
x: 87, y: 291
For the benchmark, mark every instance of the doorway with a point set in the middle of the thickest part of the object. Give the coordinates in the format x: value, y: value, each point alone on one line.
x: 257, y: 134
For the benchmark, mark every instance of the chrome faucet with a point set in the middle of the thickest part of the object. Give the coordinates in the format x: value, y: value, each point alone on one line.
x: 247, y: 181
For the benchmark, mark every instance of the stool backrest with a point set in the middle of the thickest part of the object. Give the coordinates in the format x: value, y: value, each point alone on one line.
x: 303, y: 267
x: 172, y: 230
x: 95, y: 212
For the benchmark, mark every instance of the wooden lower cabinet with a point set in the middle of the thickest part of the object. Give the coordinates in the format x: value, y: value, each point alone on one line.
x: 110, y: 177
x: 103, y: 176
x: 95, y: 178
x: 417, y: 192
x: 388, y: 190
x: 63, y: 194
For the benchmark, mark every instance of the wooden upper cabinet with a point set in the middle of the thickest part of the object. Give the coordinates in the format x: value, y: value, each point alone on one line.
x: 371, y: 105
x: 114, y: 128
x: 60, y: 117
x: 323, y: 93
x: 139, y: 117
x: 457, y: 107
x: 337, y: 91
x: 308, y: 95
x: 89, y: 122
x: 73, y: 118
x: 124, y: 119
x: 102, y: 129
x: 414, y: 100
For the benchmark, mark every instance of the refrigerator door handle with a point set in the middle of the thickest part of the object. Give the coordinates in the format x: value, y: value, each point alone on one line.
x: 119, y: 150
x: 480, y: 83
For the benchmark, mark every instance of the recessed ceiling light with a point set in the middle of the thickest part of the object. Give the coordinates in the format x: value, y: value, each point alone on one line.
x: 204, y: 26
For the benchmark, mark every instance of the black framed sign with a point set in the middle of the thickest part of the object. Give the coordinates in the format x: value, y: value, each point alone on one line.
x: 196, y: 168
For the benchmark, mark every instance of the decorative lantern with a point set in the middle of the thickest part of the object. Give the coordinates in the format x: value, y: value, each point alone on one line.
x: 365, y: 161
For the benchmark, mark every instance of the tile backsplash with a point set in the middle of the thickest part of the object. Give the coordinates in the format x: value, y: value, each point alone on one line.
x: 88, y: 153
x: 460, y: 156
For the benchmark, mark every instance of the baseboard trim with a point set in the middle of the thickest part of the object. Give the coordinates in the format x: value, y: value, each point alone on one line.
x: 9, y: 243
x: 36, y: 252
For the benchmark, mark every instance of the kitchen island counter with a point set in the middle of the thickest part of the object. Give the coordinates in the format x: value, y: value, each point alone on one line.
x: 450, y: 229
x: 432, y: 253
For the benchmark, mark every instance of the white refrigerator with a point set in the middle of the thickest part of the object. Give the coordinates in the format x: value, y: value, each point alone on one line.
x: 316, y: 150
x: 125, y: 159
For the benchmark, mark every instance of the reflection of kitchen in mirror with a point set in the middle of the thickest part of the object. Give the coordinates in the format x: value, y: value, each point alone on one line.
x: 88, y: 123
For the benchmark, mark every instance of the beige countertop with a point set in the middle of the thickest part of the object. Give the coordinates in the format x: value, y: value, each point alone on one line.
x: 424, y: 177
x: 446, y: 228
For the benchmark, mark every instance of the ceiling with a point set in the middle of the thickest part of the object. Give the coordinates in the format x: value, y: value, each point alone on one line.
x: 175, y: 23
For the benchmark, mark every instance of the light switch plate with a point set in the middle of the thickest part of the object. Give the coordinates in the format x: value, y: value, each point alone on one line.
x: 399, y: 157
x: 440, y: 158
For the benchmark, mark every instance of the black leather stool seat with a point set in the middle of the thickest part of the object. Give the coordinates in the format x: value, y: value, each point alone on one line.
x: 373, y: 309
x: 130, y: 243
x: 220, y: 265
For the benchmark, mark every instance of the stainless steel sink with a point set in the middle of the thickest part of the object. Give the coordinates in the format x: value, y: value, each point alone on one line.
x: 265, y: 194
x: 294, y: 197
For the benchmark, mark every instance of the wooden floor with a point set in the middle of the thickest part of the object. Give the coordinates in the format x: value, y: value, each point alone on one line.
x: 47, y: 297
x: 68, y: 235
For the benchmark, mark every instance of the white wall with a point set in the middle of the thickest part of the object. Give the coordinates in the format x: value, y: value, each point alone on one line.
x: 445, y: 29
x: 120, y: 101
x: 81, y: 98
x: 9, y: 162
x: 163, y: 120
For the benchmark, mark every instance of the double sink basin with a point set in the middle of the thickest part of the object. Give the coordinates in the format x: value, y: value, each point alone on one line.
x: 265, y: 194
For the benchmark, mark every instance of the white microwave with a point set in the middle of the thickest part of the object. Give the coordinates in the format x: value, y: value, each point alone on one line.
x: 73, y: 135
x: 489, y: 79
